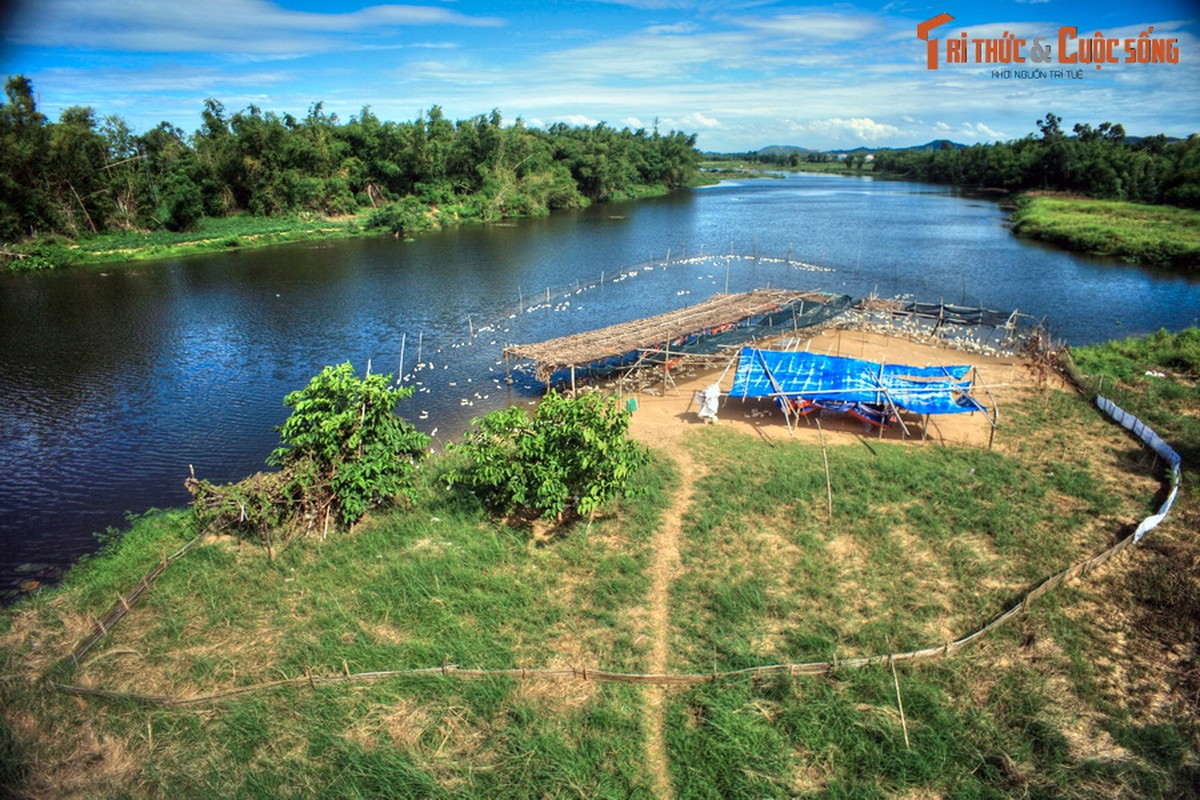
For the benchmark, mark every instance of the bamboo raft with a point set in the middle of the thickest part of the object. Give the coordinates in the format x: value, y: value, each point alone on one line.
x: 720, y: 312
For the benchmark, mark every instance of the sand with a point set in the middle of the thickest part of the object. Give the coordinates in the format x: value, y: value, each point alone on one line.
x: 662, y: 419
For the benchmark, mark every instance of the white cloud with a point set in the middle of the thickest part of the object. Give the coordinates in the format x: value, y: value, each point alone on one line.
x: 578, y: 120
x: 822, y: 26
x: 236, y: 26
x: 675, y: 28
x: 860, y: 129
x: 981, y: 132
x: 690, y: 122
x: 652, y: 56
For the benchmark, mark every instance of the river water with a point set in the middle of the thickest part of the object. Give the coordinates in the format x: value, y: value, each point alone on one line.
x: 114, y: 380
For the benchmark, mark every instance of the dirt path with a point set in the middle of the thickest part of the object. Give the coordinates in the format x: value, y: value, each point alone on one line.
x: 661, y: 426
x: 663, y: 421
x: 662, y: 570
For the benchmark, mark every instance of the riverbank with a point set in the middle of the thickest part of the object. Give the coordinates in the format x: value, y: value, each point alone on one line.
x: 1155, y: 236
x: 212, y: 234
x: 738, y: 554
x: 246, y: 232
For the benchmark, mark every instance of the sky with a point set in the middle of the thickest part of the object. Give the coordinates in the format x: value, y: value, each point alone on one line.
x: 740, y: 74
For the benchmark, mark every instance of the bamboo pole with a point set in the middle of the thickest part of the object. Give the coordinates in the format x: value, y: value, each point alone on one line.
x: 825, y: 457
x: 400, y: 368
x: 787, y: 412
x: 666, y: 363
x: 995, y: 420
x: 899, y: 700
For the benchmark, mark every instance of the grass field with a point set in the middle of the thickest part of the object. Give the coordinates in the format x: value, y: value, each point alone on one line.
x: 1156, y: 236
x: 1090, y: 694
x: 211, y: 235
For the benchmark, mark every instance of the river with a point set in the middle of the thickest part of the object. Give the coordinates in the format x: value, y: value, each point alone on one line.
x: 114, y: 380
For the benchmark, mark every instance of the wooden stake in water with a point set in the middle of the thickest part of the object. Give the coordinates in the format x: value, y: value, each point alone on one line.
x: 400, y: 372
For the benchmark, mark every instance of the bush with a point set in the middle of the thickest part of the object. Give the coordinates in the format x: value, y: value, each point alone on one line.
x: 565, y: 461
x: 347, y: 427
x: 182, y: 204
x: 342, y: 451
x: 403, y: 218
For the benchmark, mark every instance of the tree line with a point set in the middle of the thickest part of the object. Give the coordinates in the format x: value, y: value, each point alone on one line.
x: 86, y: 175
x: 1100, y: 162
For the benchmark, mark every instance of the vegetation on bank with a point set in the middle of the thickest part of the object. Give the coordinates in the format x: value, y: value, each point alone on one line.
x: 1092, y: 693
x: 1158, y: 236
x: 738, y: 168
x: 209, y: 235
x: 85, y: 176
x: 1101, y: 163
x: 1132, y: 199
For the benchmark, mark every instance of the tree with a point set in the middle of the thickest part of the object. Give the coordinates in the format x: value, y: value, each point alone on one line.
x: 343, y: 432
x: 566, y: 461
x: 24, y: 142
x: 1050, y: 127
x: 342, y: 452
x: 182, y: 203
x: 77, y: 155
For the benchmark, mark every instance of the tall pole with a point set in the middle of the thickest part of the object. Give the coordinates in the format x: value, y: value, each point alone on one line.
x: 400, y: 369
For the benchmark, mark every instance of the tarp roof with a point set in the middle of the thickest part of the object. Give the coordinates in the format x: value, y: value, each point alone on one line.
x: 921, y: 390
x: 589, y: 347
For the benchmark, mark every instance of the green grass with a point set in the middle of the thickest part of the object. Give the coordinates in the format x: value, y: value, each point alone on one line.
x: 436, y: 584
x: 1174, y: 361
x: 212, y: 234
x: 1158, y: 236
x: 926, y: 543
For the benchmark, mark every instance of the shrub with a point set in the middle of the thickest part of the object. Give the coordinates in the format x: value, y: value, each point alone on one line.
x: 342, y: 451
x: 347, y: 427
x: 403, y: 217
x: 565, y: 461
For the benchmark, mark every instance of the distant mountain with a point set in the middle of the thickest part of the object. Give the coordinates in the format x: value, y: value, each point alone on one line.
x: 936, y: 144
x: 779, y: 152
x: 783, y: 150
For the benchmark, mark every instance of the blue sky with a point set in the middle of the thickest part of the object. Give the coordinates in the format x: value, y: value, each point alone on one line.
x: 740, y: 74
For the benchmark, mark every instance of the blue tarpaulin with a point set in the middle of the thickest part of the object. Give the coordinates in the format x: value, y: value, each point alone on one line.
x: 814, y: 377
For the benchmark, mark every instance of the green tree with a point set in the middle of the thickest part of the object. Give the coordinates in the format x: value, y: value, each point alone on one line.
x: 344, y: 433
x: 342, y: 452
x: 24, y: 143
x: 568, y: 459
x: 182, y: 203
x: 76, y: 157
